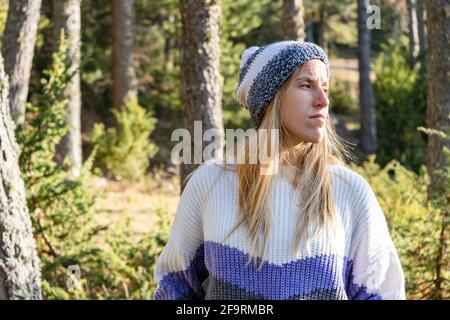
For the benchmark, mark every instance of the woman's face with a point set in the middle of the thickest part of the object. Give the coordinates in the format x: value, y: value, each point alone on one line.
x: 306, y: 96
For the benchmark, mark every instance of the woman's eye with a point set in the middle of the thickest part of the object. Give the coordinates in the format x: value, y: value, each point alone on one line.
x: 305, y: 86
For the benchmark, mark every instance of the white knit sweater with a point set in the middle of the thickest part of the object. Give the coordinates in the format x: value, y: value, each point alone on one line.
x: 358, y: 262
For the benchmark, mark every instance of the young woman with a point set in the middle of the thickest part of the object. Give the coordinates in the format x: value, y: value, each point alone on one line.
x: 312, y: 230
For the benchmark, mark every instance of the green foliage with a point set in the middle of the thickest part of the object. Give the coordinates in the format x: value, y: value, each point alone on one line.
x: 125, y: 151
x: 120, y: 268
x: 341, y: 101
x: 58, y: 203
x: 436, y: 244
x: 400, y: 94
x: 391, y: 24
x: 339, y: 18
x: 414, y: 221
x: 62, y: 210
x: 134, y: 260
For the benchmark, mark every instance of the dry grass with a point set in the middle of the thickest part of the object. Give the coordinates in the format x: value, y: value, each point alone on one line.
x: 137, y: 202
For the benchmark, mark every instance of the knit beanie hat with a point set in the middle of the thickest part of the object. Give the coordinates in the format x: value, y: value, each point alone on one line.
x: 263, y: 70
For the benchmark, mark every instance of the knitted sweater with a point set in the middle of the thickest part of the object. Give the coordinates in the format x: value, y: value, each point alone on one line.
x: 357, y: 261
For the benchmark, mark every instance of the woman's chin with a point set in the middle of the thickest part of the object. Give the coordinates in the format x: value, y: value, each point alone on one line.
x: 315, y: 138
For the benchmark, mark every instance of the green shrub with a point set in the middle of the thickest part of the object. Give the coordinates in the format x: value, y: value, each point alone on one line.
x: 341, y: 101
x: 400, y: 94
x: 125, y: 151
x: 61, y: 207
x: 434, y: 246
x: 415, y: 223
x: 119, y: 268
x: 112, y: 265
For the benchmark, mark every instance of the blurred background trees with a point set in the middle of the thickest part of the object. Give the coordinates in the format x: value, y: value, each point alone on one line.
x: 95, y: 109
x: 67, y: 22
x: 18, y: 43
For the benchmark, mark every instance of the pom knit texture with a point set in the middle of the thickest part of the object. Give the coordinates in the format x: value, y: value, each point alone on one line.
x: 356, y: 261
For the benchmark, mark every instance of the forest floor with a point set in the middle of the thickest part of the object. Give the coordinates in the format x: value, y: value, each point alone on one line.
x: 137, y: 202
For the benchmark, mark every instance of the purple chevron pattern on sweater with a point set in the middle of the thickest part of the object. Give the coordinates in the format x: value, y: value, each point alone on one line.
x: 283, y: 281
x: 295, y: 279
x: 354, y: 291
x: 186, y: 284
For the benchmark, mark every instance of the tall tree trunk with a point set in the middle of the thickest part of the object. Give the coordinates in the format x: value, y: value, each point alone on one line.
x: 18, y: 42
x: 201, y: 84
x: 438, y: 111
x: 292, y: 24
x: 123, y: 74
x: 67, y: 17
x: 310, y: 32
x: 413, y: 31
x: 366, y: 97
x: 323, y: 29
x: 438, y: 66
x: 169, y: 45
x: 19, y: 263
x: 420, y: 6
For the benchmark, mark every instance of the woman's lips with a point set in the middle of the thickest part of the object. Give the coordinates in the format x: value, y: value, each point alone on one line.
x: 320, y: 116
x: 319, y: 119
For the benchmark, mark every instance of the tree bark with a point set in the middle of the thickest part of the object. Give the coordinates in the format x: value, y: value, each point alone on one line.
x: 123, y: 74
x: 292, y: 24
x: 201, y: 83
x: 421, y: 24
x: 413, y: 31
x: 438, y: 66
x: 169, y: 44
x: 323, y: 30
x: 438, y: 116
x: 19, y: 38
x: 19, y: 263
x: 67, y: 17
x: 367, y: 108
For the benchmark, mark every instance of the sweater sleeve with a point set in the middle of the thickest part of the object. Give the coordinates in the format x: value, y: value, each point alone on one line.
x: 375, y: 269
x: 180, y: 269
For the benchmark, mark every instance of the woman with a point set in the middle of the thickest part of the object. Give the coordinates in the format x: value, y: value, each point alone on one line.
x: 313, y: 230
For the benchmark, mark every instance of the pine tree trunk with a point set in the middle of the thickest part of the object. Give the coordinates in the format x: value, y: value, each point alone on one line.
x: 67, y: 17
x: 413, y: 31
x: 169, y: 45
x: 310, y: 32
x: 292, y: 24
x: 201, y: 84
x: 438, y: 66
x: 438, y: 113
x: 366, y: 97
x: 421, y: 25
x: 19, y: 264
x: 323, y: 30
x: 18, y: 42
x: 123, y: 74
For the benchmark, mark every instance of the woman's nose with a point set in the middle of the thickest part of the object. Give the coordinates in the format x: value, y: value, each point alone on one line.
x: 322, y: 100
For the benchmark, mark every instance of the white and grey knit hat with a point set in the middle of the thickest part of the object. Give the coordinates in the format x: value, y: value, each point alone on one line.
x: 263, y: 70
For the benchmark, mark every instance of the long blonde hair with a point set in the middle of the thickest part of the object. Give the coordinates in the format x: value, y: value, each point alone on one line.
x: 313, y: 161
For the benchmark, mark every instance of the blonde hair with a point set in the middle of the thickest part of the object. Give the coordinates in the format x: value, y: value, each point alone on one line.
x: 317, y: 209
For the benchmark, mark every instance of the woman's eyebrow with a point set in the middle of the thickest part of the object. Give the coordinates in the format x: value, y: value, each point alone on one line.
x: 304, y: 78
x: 308, y: 78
